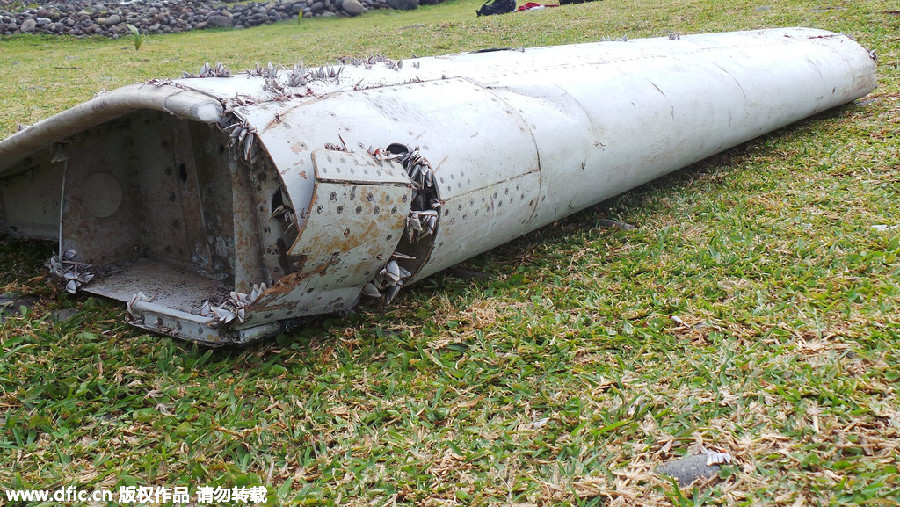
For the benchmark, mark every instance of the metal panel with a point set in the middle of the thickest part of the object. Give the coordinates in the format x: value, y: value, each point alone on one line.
x: 30, y: 198
x: 357, y: 214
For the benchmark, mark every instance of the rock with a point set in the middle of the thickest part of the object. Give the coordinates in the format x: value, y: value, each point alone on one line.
x: 115, y: 19
x: 689, y: 469
x: 403, y: 5
x: 11, y: 303
x: 328, y: 14
x: 353, y: 7
x: 219, y: 21
x: 64, y: 314
x: 28, y: 25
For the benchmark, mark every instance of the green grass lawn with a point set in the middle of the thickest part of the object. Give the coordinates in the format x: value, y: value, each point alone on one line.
x: 754, y: 309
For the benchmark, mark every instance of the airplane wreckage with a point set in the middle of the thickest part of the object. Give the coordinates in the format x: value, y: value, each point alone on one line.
x: 223, y: 207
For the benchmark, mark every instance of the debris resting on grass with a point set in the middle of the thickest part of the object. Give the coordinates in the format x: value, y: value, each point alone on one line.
x: 242, y: 199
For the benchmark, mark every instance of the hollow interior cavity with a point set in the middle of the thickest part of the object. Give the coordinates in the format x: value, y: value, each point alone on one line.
x: 147, y: 203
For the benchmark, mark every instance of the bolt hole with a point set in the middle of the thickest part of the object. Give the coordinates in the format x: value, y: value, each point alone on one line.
x: 397, y: 148
x: 182, y: 172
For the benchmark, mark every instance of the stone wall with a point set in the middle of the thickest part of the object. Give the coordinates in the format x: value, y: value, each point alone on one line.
x: 81, y: 18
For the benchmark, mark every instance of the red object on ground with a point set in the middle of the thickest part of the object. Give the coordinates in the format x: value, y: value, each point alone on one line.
x: 532, y: 5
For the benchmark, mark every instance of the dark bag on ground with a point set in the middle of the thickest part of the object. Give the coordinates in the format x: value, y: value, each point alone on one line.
x: 496, y: 7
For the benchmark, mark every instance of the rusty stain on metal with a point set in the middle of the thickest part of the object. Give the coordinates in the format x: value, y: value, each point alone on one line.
x: 224, y: 206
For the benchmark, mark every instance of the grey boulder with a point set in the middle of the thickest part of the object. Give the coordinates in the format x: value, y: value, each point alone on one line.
x: 353, y: 7
x: 403, y: 5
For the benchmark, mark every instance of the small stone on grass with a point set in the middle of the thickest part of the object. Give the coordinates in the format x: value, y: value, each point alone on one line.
x: 64, y: 314
x: 689, y: 469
